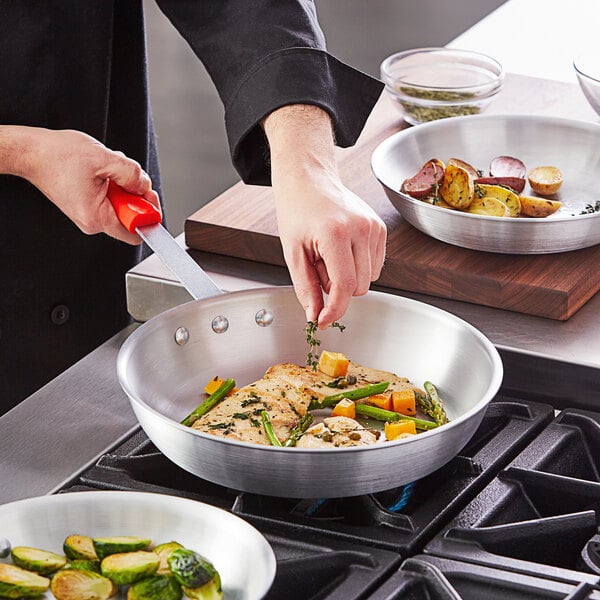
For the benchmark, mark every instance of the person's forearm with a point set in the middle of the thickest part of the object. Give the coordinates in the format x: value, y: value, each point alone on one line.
x: 15, y: 144
x: 301, y: 138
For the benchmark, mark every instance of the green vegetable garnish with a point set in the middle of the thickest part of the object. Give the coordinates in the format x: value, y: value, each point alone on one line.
x: 380, y: 414
x: 269, y: 429
x: 357, y: 394
x: 210, y: 402
x: 432, y: 404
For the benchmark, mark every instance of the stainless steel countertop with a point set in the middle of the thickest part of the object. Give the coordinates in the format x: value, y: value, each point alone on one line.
x: 65, y: 426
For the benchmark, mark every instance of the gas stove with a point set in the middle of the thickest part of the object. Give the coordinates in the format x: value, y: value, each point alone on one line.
x: 515, y: 515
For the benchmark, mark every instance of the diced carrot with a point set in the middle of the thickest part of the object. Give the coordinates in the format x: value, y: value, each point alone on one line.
x: 381, y: 401
x: 344, y: 408
x: 404, y: 402
x: 213, y: 385
x: 397, y: 429
x: 334, y: 364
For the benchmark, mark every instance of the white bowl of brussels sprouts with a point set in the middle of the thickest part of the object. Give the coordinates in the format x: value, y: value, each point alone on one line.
x: 133, y: 545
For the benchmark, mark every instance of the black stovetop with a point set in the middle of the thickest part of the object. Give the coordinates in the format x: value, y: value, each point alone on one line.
x: 515, y: 515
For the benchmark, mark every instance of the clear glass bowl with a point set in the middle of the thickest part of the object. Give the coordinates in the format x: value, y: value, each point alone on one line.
x: 587, y: 69
x: 436, y: 83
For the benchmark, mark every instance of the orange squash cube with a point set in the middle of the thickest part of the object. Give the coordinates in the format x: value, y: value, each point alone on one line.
x: 344, y: 408
x: 213, y: 385
x: 383, y: 401
x: 404, y: 402
x: 334, y: 364
x: 397, y: 429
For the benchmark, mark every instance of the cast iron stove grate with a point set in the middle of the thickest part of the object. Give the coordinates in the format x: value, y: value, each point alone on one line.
x: 349, y: 546
x: 402, y: 519
x: 540, y: 516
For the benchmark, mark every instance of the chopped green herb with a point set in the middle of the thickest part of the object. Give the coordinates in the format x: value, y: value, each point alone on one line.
x: 254, y: 399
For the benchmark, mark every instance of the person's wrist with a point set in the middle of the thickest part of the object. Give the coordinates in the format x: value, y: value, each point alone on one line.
x: 17, y: 144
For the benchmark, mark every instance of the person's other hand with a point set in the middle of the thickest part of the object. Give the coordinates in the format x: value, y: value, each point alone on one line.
x: 72, y: 170
x: 332, y: 242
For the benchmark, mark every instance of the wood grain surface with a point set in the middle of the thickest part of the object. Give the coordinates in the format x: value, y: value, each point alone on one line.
x: 241, y: 223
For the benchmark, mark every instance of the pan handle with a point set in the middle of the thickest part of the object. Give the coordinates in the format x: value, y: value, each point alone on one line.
x: 138, y: 215
x: 133, y: 211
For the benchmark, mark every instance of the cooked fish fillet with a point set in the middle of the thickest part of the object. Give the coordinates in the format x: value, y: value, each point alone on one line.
x: 316, y: 382
x: 336, y: 432
x: 285, y: 393
x: 238, y: 416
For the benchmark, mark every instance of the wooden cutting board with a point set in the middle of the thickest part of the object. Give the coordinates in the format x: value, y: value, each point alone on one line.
x: 241, y: 223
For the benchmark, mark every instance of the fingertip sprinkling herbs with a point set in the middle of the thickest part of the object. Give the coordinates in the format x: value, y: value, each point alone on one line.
x: 312, y: 358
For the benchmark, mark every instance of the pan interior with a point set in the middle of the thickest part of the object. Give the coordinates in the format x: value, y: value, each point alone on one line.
x: 382, y: 331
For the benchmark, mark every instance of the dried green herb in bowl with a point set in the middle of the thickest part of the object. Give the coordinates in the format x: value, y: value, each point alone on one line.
x: 436, y: 83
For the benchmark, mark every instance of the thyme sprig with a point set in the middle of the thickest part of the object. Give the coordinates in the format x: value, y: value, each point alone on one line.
x: 312, y: 358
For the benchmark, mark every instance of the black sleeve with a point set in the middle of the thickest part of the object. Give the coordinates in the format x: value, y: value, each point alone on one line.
x: 264, y: 54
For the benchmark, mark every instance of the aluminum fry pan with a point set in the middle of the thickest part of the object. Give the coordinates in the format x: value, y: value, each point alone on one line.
x: 572, y: 146
x: 241, y: 555
x: 164, y: 365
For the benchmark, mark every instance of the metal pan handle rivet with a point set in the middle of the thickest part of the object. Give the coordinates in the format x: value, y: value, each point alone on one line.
x: 182, y: 336
x: 220, y: 324
x: 263, y: 317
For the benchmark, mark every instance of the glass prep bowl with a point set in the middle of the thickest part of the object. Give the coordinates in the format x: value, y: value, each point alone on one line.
x: 587, y: 69
x: 435, y: 83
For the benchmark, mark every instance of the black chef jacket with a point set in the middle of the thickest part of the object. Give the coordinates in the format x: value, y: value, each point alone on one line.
x: 68, y: 64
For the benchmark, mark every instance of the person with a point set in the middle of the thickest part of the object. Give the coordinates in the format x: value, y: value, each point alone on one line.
x: 75, y: 113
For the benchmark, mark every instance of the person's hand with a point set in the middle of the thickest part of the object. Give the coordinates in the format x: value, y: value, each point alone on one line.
x: 332, y: 241
x: 72, y: 170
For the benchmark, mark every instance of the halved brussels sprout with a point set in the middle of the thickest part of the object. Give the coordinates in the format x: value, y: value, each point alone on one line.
x: 129, y: 567
x: 191, y: 569
x: 124, y: 543
x: 209, y: 591
x: 84, y: 565
x: 16, y: 582
x: 72, y: 584
x: 164, y: 551
x: 43, y: 562
x: 159, y: 587
x: 79, y: 547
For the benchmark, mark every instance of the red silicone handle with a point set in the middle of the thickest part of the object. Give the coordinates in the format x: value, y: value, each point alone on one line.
x: 133, y: 211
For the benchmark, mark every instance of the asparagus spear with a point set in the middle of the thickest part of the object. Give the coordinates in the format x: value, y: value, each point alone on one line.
x: 357, y: 394
x: 210, y: 402
x: 381, y: 414
x: 297, y: 432
x: 432, y: 404
x: 269, y: 429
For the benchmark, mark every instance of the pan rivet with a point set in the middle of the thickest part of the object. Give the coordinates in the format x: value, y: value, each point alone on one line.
x: 220, y: 324
x: 263, y: 317
x: 182, y: 336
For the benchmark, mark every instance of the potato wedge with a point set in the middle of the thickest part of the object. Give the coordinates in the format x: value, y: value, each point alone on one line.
x: 503, y: 194
x: 489, y: 206
x: 538, y: 207
x: 426, y: 181
x: 470, y: 169
x: 457, y: 187
x: 545, y: 180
